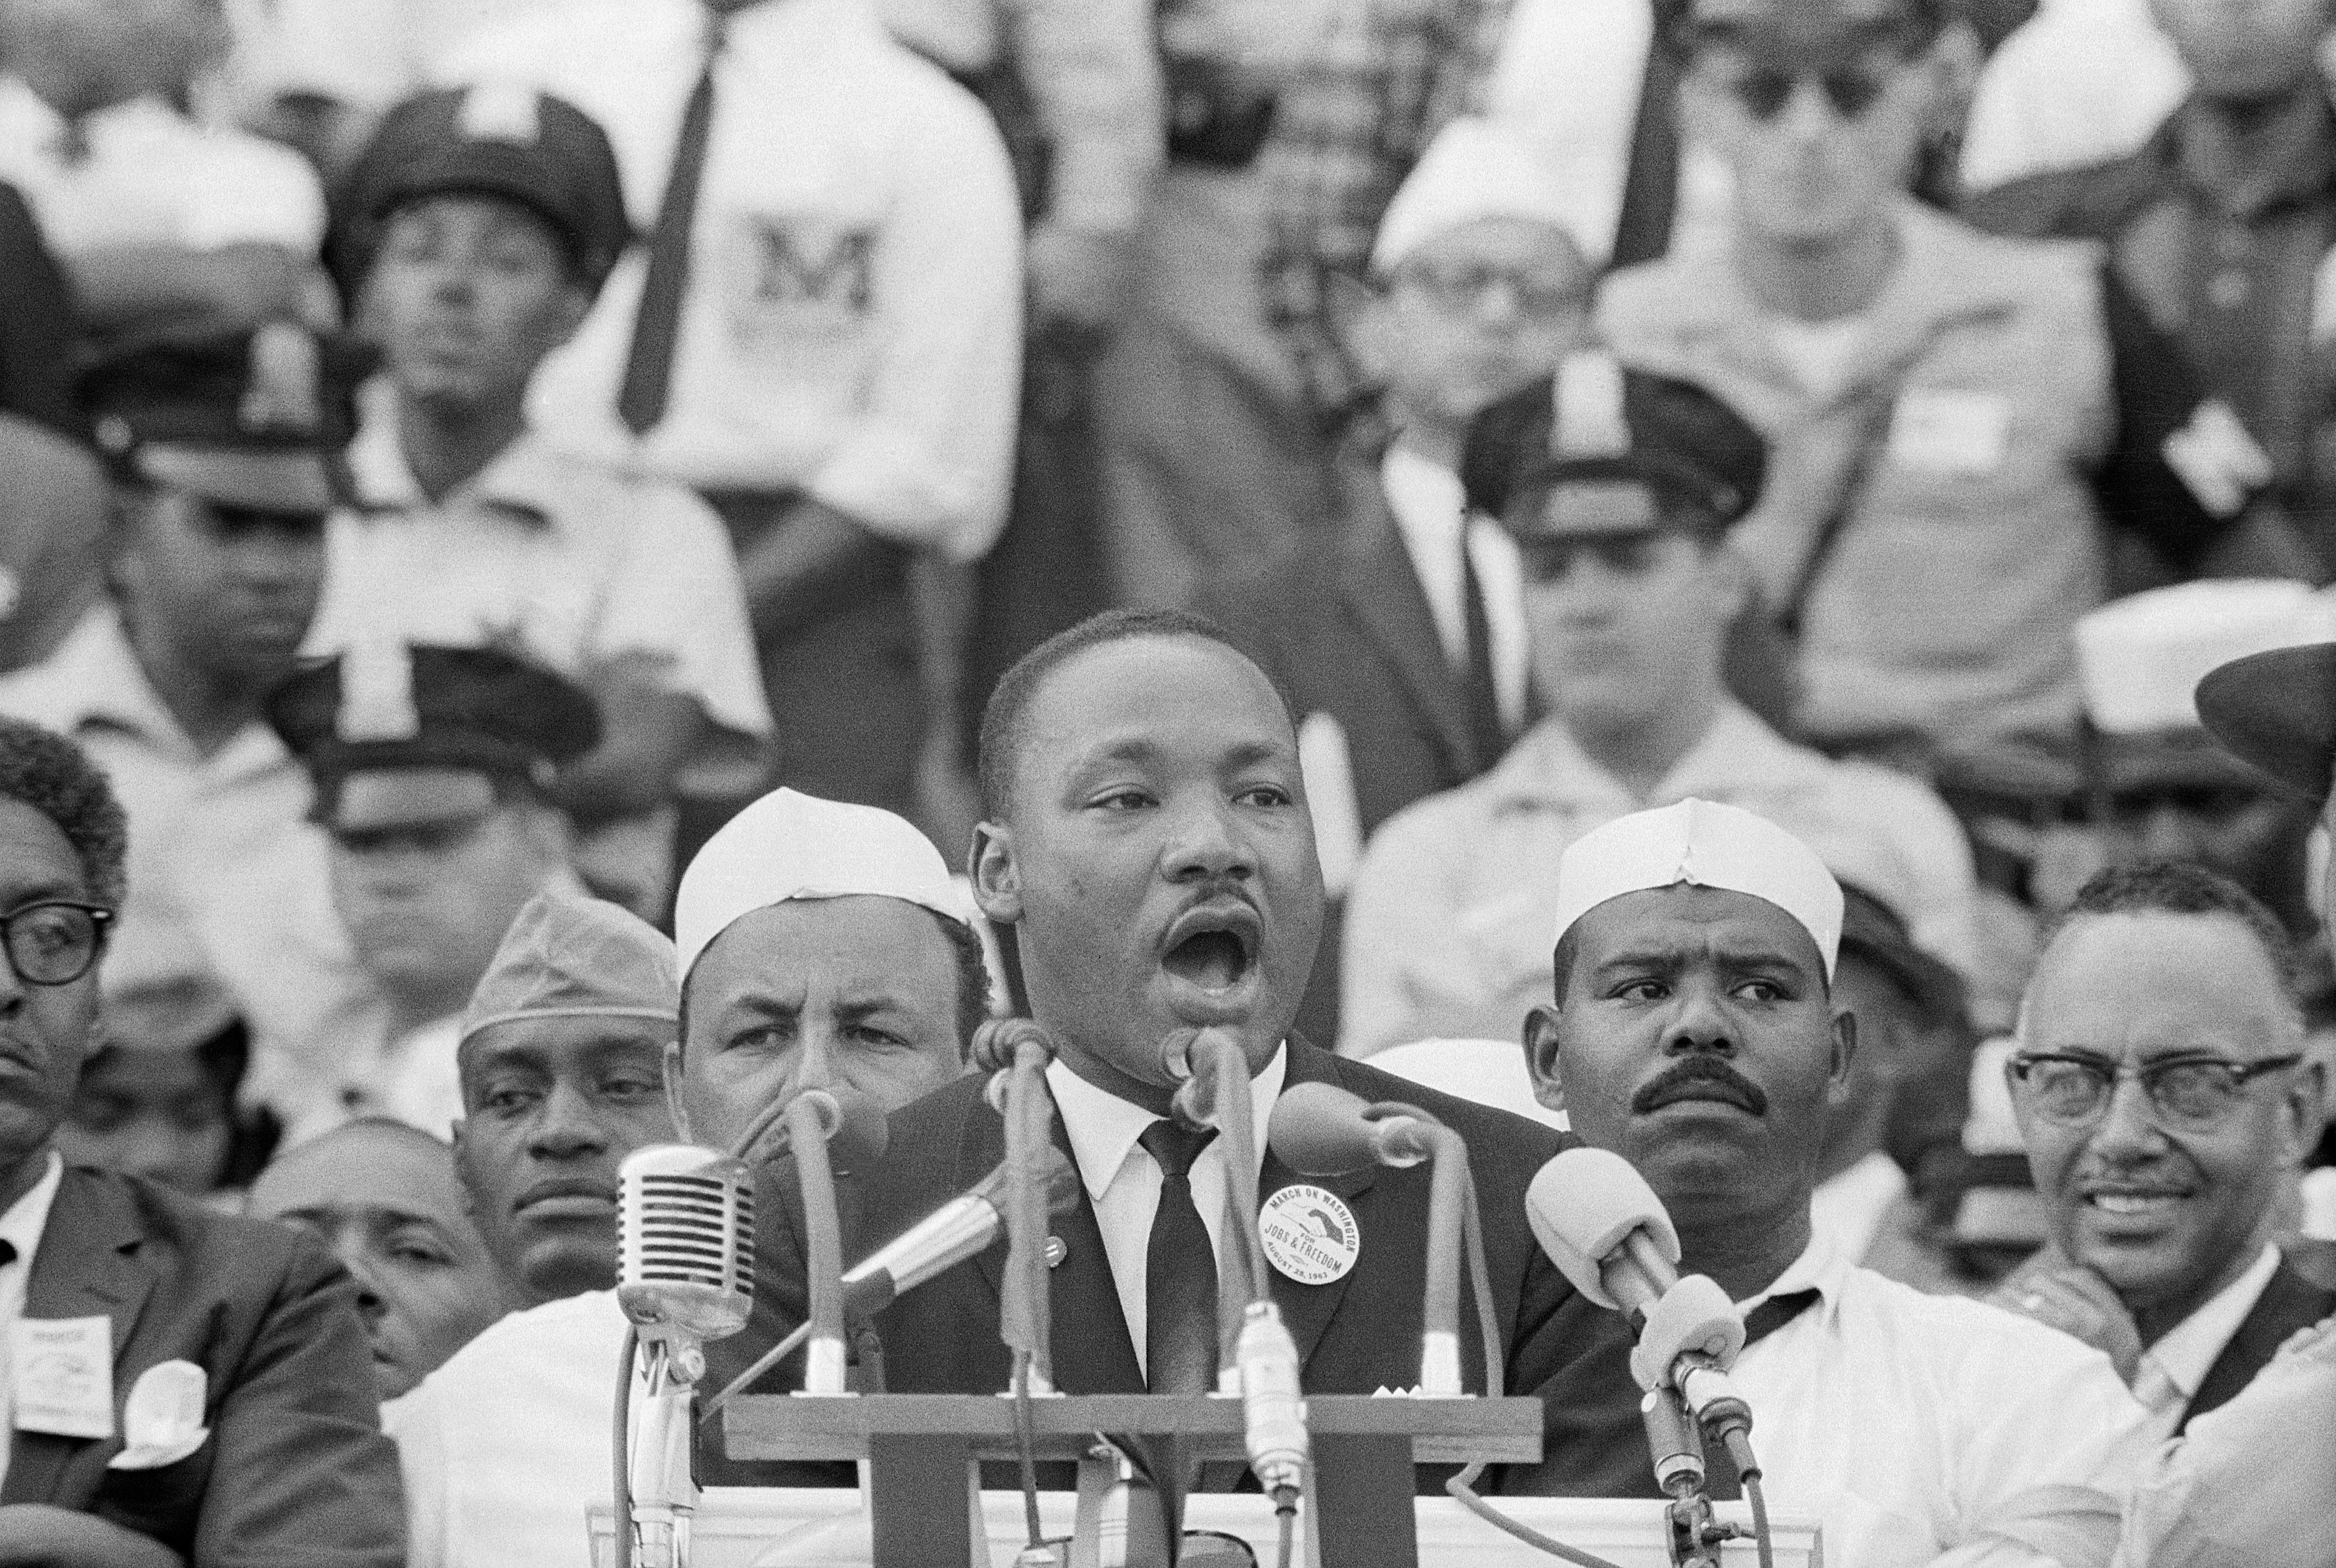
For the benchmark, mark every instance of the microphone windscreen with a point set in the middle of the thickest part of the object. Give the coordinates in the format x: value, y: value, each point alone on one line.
x: 861, y: 1132
x: 1583, y: 1203
x: 1319, y: 1130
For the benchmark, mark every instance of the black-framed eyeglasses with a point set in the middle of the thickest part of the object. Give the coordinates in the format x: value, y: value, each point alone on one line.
x: 53, y: 943
x: 2185, y: 1094
x: 1851, y: 91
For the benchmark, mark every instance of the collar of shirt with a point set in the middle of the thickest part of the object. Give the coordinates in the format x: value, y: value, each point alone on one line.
x: 1738, y: 754
x: 525, y: 481
x: 2187, y: 1351
x: 1847, y: 1207
x: 21, y: 1228
x: 1821, y: 1267
x: 1430, y: 509
x: 1103, y: 1128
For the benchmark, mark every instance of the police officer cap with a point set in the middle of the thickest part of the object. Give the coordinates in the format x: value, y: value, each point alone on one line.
x: 1809, y: 35
x: 1602, y: 447
x: 495, y: 139
x: 396, y: 733
x: 250, y: 419
x: 2278, y: 711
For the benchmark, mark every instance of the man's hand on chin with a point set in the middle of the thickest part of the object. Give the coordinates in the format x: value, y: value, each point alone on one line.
x: 35, y: 1536
x: 2075, y: 1300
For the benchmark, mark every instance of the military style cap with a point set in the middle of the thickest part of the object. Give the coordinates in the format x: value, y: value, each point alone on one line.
x: 1600, y: 447
x: 571, y: 956
x: 1810, y: 34
x: 496, y: 139
x: 399, y: 734
x: 2277, y: 710
x: 254, y: 420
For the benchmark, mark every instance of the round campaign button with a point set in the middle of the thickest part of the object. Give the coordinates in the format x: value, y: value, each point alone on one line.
x: 1309, y: 1234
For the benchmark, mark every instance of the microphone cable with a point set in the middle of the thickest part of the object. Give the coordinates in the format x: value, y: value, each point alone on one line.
x: 763, y: 1363
x: 622, y: 1461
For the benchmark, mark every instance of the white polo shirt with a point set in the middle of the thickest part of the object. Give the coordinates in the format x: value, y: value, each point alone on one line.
x: 854, y: 323
x: 151, y: 176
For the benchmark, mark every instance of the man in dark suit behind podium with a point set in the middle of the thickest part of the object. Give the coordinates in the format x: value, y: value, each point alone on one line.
x: 1147, y: 841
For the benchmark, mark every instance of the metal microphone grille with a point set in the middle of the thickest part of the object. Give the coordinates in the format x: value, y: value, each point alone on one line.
x: 686, y: 1258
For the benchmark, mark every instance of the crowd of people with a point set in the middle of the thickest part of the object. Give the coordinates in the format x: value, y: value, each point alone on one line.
x: 1743, y: 582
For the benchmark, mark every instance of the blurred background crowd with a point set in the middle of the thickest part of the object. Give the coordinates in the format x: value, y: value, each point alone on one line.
x: 458, y: 451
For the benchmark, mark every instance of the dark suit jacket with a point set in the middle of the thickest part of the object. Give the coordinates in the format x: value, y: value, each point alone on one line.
x: 1355, y: 1334
x: 295, y: 1473
x: 1354, y: 638
x: 2290, y: 1302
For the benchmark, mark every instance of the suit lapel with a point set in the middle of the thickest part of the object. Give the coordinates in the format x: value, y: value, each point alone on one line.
x: 86, y: 1268
x: 1308, y: 1310
x: 1382, y: 594
x: 2288, y: 1302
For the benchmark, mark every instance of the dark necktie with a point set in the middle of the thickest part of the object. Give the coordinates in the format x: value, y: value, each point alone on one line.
x: 648, y: 365
x: 1487, y: 733
x: 1720, y: 1480
x: 1179, y: 1271
x: 7, y: 1251
x: 1642, y: 231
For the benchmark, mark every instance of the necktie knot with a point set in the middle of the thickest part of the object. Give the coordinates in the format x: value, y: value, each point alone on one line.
x: 1173, y: 1148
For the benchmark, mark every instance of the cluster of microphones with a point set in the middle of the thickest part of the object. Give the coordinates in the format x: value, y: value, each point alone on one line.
x: 686, y: 1215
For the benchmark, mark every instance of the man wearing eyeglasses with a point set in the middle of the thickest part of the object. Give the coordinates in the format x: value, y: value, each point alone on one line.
x: 115, y: 1290
x: 1955, y: 415
x: 2162, y: 1086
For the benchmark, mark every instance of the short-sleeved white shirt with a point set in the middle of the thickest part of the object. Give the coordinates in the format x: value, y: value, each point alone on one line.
x: 151, y: 176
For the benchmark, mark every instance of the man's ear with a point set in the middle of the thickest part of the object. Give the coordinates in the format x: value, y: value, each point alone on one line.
x: 1844, y: 1053
x: 2306, y: 1105
x: 1540, y: 1058
x: 575, y: 305
x: 676, y: 1106
x: 996, y: 879
x: 458, y: 1142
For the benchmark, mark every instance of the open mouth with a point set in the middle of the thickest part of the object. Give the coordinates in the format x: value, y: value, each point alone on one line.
x: 1213, y: 948
x: 2132, y: 1202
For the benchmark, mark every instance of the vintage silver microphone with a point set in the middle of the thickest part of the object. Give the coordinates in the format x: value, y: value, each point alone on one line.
x: 686, y: 1276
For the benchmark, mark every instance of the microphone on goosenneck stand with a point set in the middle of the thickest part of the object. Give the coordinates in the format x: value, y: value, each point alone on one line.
x: 1322, y: 1130
x: 965, y: 1226
x: 822, y: 1131
x: 686, y: 1219
x: 1214, y: 1090
x: 1607, y: 1232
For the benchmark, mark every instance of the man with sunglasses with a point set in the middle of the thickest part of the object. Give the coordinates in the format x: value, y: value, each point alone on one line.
x: 108, y: 1280
x: 2163, y: 1087
x: 1955, y: 415
x: 1619, y: 493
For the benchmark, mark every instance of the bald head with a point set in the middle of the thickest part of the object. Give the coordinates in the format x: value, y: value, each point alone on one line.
x: 384, y: 1198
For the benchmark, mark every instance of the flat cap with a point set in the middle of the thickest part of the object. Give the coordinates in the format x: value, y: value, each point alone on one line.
x: 251, y: 419
x: 495, y: 139
x: 1606, y: 435
x: 395, y: 733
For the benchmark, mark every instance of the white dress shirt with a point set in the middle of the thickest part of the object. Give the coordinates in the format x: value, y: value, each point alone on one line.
x: 21, y: 1228
x: 852, y: 326
x: 151, y: 176
x: 1122, y: 1180
x: 1935, y: 1429
x: 2172, y: 1369
x: 504, y: 1447
x: 1431, y: 508
x: 1566, y: 82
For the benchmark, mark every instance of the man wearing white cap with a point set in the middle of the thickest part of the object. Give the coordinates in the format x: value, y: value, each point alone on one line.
x: 1409, y: 674
x: 1694, y: 1033
x: 821, y: 945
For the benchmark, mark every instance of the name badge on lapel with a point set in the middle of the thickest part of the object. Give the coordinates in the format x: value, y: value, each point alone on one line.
x: 1946, y: 431
x: 61, y: 1376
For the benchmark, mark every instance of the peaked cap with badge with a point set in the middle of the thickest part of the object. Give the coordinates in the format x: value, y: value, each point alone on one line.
x: 496, y: 139
x: 254, y: 420
x: 1801, y: 35
x: 1613, y: 446
x: 396, y: 733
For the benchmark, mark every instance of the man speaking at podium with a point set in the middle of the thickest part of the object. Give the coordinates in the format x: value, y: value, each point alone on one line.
x: 1695, y: 1034
x: 1147, y: 843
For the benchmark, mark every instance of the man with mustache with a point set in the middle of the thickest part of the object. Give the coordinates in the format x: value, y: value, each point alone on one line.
x: 1695, y: 1033
x: 562, y: 1065
x: 1147, y: 846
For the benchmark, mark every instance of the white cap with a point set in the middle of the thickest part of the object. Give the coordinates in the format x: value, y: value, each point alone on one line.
x: 1473, y: 169
x: 1706, y: 845
x: 2140, y: 659
x: 787, y: 846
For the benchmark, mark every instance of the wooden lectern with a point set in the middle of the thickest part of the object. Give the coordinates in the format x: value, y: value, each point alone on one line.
x: 924, y: 1452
